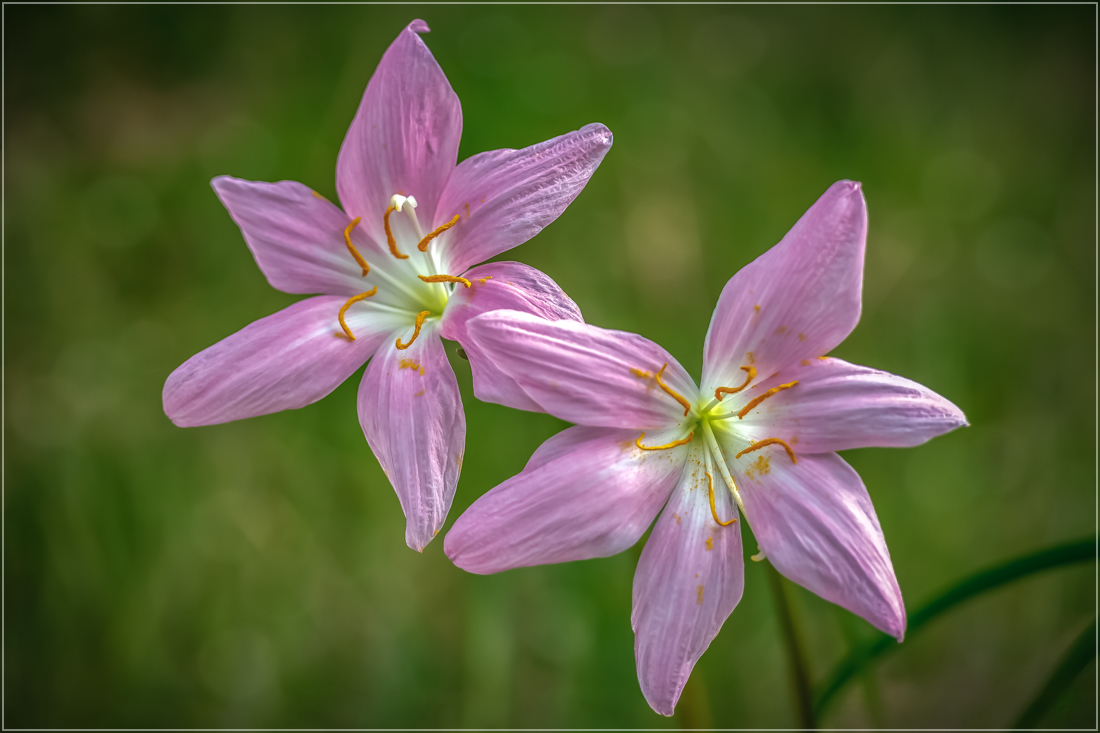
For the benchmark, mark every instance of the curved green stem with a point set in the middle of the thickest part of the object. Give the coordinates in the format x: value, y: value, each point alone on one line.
x: 796, y: 655
x: 1073, y: 552
x: 1076, y: 659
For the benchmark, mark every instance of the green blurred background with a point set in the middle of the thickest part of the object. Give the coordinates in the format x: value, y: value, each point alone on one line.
x: 255, y: 573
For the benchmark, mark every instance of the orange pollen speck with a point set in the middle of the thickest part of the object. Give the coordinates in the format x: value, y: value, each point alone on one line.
x: 444, y: 279
x: 713, y: 509
x: 389, y: 235
x: 750, y: 375
x: 757, y: 400
x: 423, y: 246
x: 769, y: 441
x: 416, y: 329
x: 351, y: 247
x: 344, y: 309
x: 666, y: 446
x: 671, y: 393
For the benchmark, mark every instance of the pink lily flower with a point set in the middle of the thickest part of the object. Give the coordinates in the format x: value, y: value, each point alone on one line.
x: 395, y: 271
x: 756, y: 439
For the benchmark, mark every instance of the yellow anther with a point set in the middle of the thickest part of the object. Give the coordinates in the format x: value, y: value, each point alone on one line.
x: 350, y: 303
x: 389, y: 234
x: 416, y: 329
x: 769, y: 441
x: 750, y: 375
x: 713, y: 509
x: 423, y: 246
x: 351, y: 247
x: 666, y: 446
x: 665, y: 387
x: 757, y: 400
x: 444, y: 279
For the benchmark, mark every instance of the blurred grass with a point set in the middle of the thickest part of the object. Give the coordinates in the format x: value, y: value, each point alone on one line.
x: 254, y: 574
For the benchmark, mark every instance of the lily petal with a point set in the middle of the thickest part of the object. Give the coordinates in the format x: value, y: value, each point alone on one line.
x: 593, y: 494
x: 496, y: 286
x: 287, y: 360
x: 411, y: 414
x: 505, y: 197
x: 815, y: 522
x: 796, y: 301
x: 581, y: 373
x: 838, y: 406
x: 689, y: 579
x: 295, y: 234
x: 404, y: 138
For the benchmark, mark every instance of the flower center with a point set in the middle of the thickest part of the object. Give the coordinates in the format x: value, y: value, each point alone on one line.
x: 413, y: 282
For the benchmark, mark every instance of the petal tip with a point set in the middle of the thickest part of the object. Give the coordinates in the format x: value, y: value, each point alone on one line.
x: 418, y: 26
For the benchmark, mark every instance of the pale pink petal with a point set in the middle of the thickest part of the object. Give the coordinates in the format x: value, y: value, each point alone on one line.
x: 295, y: 234
x: 796, y: 301
x: 584, y: 374
x: 287, y: 360
x: 404, y: 138
x: 496, y: 286
x: 815, y: 523
x: 411, y: 414
x: 594, y: 495
x: 689, y: 579
x: 838, y: 406
x: 505, y: 197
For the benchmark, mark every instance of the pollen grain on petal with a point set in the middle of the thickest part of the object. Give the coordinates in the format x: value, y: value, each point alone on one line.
x: 352, y: 301
x: 760, y: 398
x: 423, y: 245
x: 444, y: 279
x: 669, y: 391
x: 698, y: 595
x: 750, y: 374
x: 351, y: 247
x: 389, y: 233
x: 420, y: 318
x: 666, y: 446
x: 770, y: 441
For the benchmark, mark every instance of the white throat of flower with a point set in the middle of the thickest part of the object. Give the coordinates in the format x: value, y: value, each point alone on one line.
x: 706, y: 416
x: 400, y: 275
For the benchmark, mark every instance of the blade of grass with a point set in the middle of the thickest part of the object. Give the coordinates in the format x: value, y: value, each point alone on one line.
x: 796, y: 655
x: 980, y: 582
x: 1076, y: 659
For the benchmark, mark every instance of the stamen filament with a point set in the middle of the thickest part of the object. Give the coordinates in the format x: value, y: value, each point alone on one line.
x: 713, y: 510
x: 420, y: 317
x: 722, y: 467
x: 750, y: 375
x: 757, y: 400
x: 389, y: 234
x: 444, y: 279
x: 670, y: 392
x: 423, y: 246
x: 352, y: 301
x: 769, y: 441
x: 666, y: 446
x: 351, y: 247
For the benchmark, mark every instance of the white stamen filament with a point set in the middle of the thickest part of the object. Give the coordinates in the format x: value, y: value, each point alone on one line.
x: 723, y: 469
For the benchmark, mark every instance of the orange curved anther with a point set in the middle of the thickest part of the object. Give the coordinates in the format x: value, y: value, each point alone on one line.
x: 670, y: 392
x: 769, y: 441
x: 389, y: 234
x: 351, y: 247
x: 416, y: 329
x: 666, y: 446
x: 757, y: 400
x: 750, y: 374
x: 713, y: 509
x: 423, y: 246
x: 444, y: 279
x: 351, y: 301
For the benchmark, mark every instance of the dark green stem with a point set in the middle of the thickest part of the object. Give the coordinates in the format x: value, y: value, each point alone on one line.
x: 989, y: 579
x: 796, y: 655
x: 694, y: 706
x: 1076, y: 659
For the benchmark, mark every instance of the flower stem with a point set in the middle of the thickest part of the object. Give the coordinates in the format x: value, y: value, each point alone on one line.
x: 694, y: 708
x: 796, y: 654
